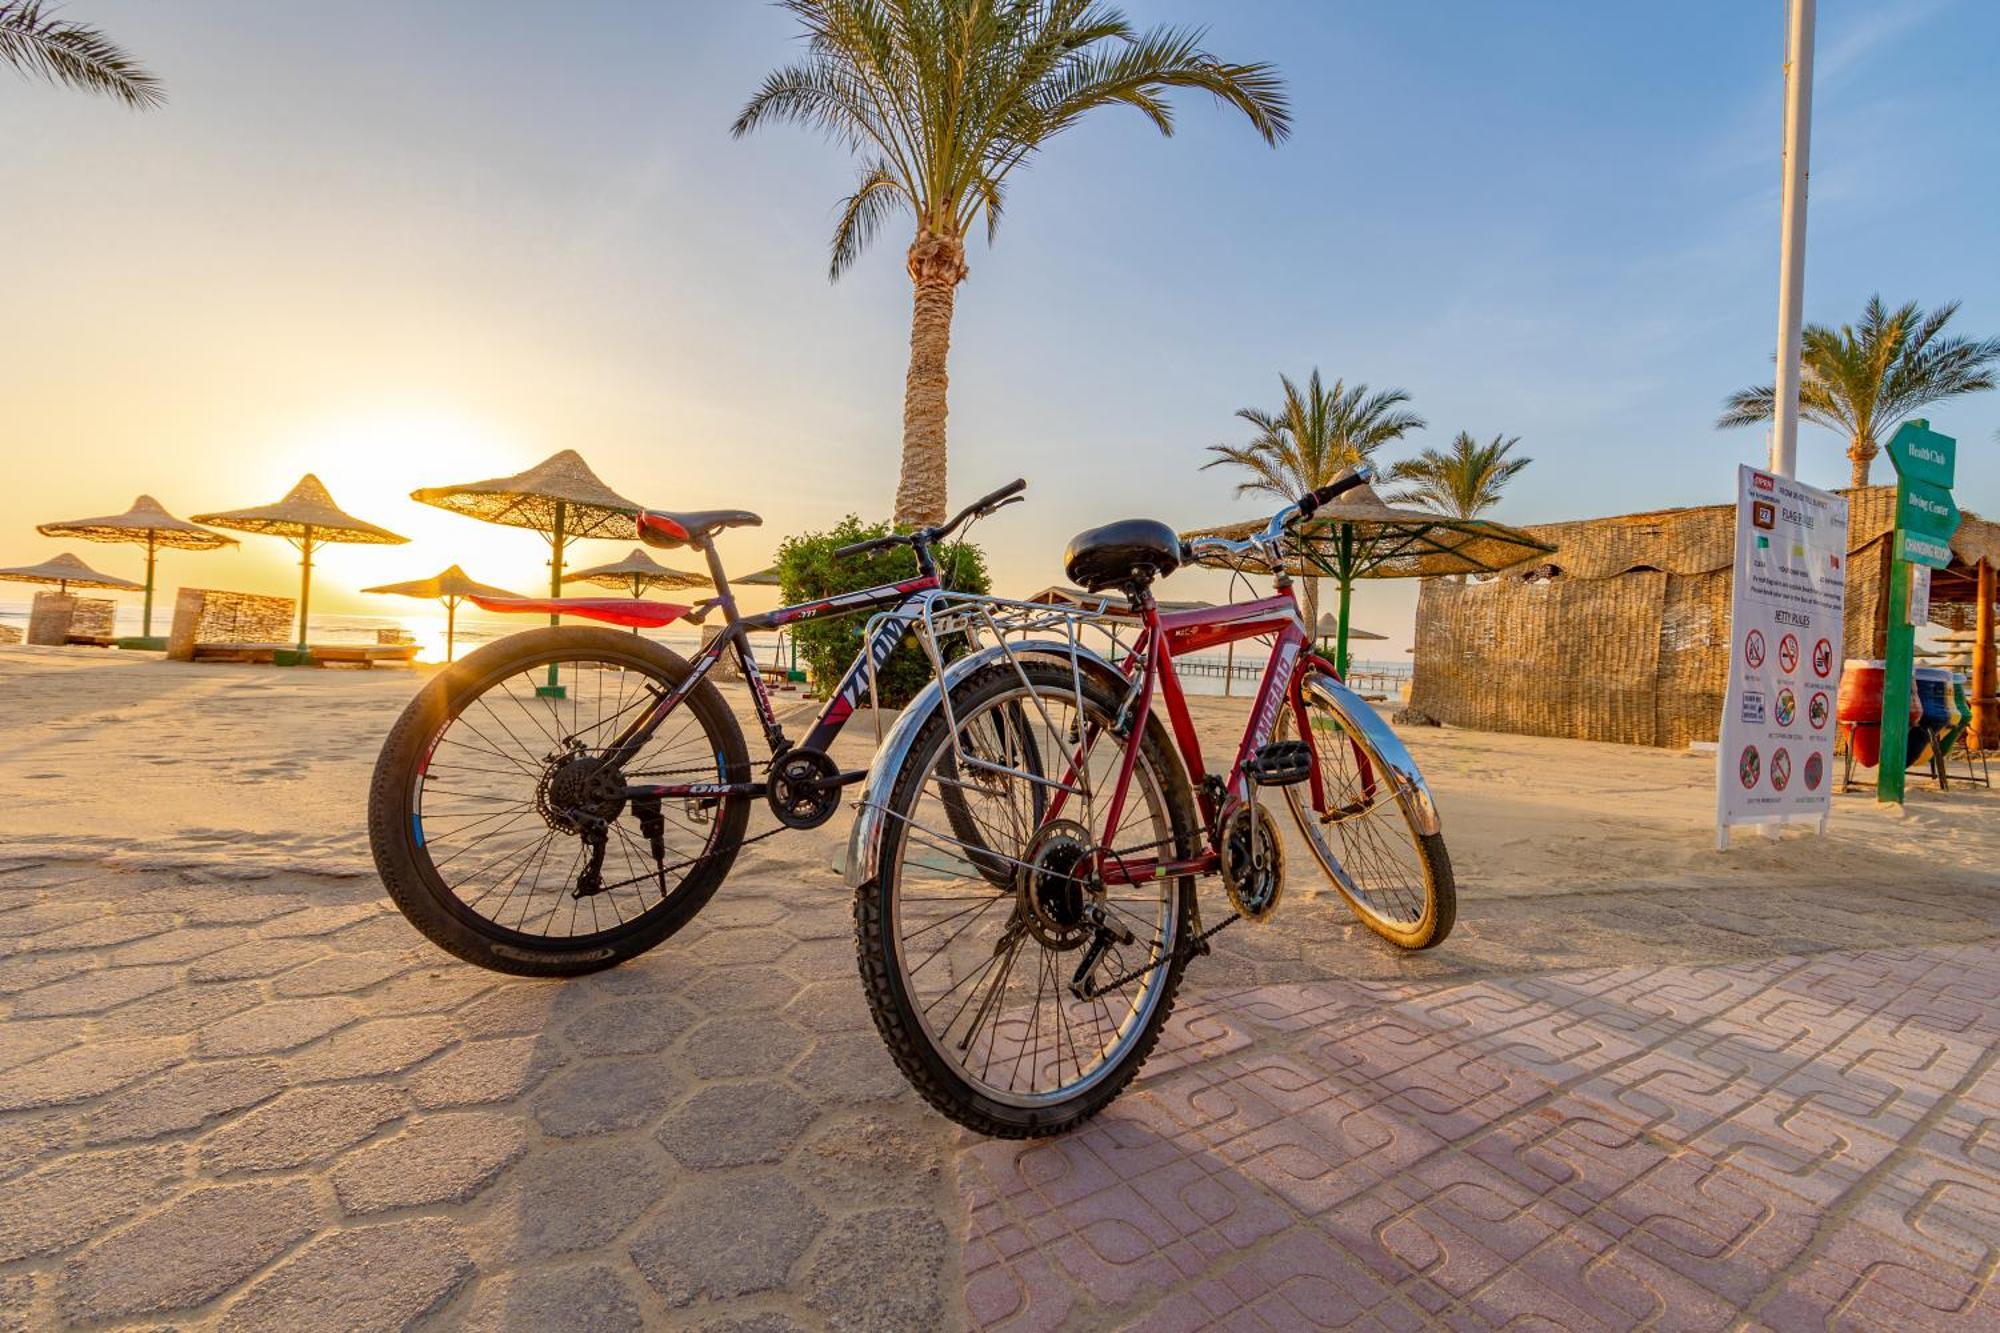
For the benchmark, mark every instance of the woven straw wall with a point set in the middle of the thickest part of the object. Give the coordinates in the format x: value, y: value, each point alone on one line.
x: 1622, y: 633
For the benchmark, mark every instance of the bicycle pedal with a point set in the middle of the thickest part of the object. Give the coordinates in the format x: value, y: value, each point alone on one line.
x: 1280, y: 764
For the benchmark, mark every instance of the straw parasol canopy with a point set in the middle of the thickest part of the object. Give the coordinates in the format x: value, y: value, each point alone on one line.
x: 306, y: 517
x: 148, y: 522
x: 638, y: 572
x: 1329, y: 627
x: 1359, y: 536
x: 559, y: 497
x: 65, y: 571
x: 763, y: 578
x: 448, y: 585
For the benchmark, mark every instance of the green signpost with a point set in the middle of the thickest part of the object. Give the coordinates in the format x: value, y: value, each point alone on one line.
x: 1926, y: 517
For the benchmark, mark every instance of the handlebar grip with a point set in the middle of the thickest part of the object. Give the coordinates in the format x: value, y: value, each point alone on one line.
x: 863, y: 548
x: 1014, y: 487
x: 1339, y: 486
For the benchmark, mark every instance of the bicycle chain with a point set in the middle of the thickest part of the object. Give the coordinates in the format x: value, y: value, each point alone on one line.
x: 1193, y: 949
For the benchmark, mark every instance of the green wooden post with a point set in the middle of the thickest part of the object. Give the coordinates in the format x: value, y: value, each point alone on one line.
x: 305, y: 588
x: 554, y: 689
x: 1896, y: 686
x: 1346, y: 594
x: 152, y: 539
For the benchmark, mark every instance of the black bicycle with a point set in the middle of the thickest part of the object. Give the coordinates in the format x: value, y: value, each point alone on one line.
x: 566, y: 798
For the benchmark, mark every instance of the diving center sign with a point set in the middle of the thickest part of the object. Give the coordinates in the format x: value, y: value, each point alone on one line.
x: 1774, y: 761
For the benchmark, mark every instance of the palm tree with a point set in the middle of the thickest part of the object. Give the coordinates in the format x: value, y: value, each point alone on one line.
x: 38, y: 44
x: 1464, y: 481
x: 1863, y: 382
x: 1317, y: 434
x: 943, y: 99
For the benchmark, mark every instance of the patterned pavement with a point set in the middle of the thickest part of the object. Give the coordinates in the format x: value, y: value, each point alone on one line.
x: 250, y: 1103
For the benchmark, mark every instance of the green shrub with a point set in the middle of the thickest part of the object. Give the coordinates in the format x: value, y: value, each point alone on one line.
x: 807, y: 571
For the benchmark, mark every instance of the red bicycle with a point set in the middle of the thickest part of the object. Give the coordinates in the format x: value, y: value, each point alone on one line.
x: 1021, y: 978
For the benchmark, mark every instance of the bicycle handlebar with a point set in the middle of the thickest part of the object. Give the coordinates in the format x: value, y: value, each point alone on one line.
x: 1310, y: 502
x: 985, y: 504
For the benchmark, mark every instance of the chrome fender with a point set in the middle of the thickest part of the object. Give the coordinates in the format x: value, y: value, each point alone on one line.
x: 864, y: 840
x: 1356, y: 714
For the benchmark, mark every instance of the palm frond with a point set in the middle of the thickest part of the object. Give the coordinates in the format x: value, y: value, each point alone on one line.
x: 74, y: 55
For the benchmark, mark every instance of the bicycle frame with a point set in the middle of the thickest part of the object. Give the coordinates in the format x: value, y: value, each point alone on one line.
x: 833, y: 715
x: 1150, y: 667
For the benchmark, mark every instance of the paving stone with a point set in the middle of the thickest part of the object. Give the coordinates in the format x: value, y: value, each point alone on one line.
x: 731, y: 1048
x: 254, y: 959
x: 183, y: 1098
x: 89, y: 1070
x: 593, y: 1299
x: 850, y: 1070
x: 383, y: 1046
x: 303, y: 1126
x: 881, y: 1269
x: 373, y: 1278
x: 342, y: 974
x: 606, y: 1096
x: 242, y: 909
x: 312, y: 921
x: 28, y: 971
x: 179, y: 945
x: 573, y: 1197
x: 440, y: 1159
x: 17, y: 1302
x: 480, y: 1072
x: 183, y: 1008
x: 430, y: 992
x: 50, y: 914
x: 518, y: 1008
x: 726, y: 1236
x: 74, y: 1198
x: 25, y: 1039
x: 831, y: 1006
x: 100, y: 933
x: 768, y: 1321
x: 186, y: 1255
x: 875, y: 1159
x: 736, y: 989
x: 634, y: 1026
x: 92, y: 992
x: 279, y: 1026
x: 746, y: 945
x: 736, y: 1123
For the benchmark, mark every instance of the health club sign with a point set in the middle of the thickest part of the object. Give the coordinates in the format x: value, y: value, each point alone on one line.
x: 1786, y: 606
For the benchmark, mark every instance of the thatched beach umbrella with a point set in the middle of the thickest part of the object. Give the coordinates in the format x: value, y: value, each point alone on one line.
x: 66, y: 571
x: 448, y: 585
x: 559, y: 497
x: 1329, y: 628
x: 306, y: 517
x: 763, y: 578
x: 146, y: 521
x: 1360, y: 537
x: 637, y: 573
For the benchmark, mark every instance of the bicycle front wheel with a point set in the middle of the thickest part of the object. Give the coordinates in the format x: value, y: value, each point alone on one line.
x: 1024, y: 1006
x: 1364, y: 824
x: 498, y: 818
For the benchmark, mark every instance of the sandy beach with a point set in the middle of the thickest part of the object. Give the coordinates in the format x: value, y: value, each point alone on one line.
x: 239, y: 1088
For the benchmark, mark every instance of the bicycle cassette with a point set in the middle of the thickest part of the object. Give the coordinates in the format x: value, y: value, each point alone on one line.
x: 1253, y: 861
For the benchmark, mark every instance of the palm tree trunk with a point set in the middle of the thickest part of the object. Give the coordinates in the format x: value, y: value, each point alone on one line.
x: 1861, y: 452
x: 937, y: 266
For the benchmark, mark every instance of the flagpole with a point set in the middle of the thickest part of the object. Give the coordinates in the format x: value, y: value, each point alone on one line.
x: 1792, y: 239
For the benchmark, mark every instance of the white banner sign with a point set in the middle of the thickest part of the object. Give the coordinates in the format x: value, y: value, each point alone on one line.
x: 1774, y: 763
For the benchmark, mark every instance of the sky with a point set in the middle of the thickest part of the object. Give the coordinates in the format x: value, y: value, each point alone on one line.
x: 406, y: 244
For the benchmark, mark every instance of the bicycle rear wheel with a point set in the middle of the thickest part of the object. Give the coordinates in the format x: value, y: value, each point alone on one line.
x: 1022, y: 1008
x: 1366, y: 828
x: 487, y: 797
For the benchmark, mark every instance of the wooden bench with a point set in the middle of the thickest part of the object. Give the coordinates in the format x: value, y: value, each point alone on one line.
x: 210, y: 624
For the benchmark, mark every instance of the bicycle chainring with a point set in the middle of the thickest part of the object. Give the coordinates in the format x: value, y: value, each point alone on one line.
x: 1253, y: 861
x: 803, y: 788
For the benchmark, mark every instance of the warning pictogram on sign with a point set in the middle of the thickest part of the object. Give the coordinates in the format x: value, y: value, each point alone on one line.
x: 1818, y: 708
x: 1781, y: 768
x: 1822, y: 659
x: 1788, y: 654
x: 1753, y: 648
x: 1748, y: 768
x: 1788, y: 706
x: 1815, y: 770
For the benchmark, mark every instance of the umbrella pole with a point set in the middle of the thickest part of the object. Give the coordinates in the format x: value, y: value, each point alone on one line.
x: 450, y: 627
x: 554, y: 689
x: 147, y: 624
x: 1346, y: 591
x: 636, y: 580
x: 305, y: 586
